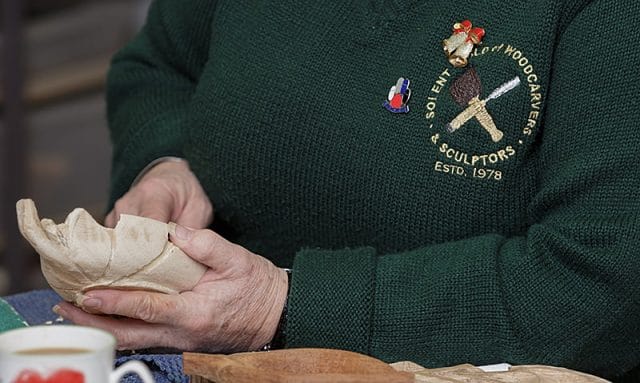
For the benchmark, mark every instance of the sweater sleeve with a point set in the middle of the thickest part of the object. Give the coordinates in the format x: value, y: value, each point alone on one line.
x: 565, y: 293
x: 150, y: 84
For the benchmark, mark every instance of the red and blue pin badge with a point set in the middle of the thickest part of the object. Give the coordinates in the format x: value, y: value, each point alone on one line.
x: 399, y: 95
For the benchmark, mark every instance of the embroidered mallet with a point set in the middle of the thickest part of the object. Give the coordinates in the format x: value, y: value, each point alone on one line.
x: 466, y: 92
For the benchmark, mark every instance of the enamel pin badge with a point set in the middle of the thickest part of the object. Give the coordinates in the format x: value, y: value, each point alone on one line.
x: 460, y: 44
x: 398, y: 97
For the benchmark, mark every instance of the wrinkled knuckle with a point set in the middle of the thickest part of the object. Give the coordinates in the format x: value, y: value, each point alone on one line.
x: 145, y: 309
x: 124, y: 338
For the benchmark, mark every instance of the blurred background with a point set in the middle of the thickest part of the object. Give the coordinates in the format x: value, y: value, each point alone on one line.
x: 54, y: 142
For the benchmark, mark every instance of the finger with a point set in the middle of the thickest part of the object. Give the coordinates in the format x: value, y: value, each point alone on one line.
x: 206, y: 247
x: 157, y: 208
x: 149, y: 307
x: 110, y: 219
x: 197, y: 214
x: 134, y: 203
x: 195, y: 218
x: 130, y: 333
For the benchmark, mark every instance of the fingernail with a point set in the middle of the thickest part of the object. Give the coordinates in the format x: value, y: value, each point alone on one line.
x: 58, y: 310
x: 91, y: 303
x: 182, y: 232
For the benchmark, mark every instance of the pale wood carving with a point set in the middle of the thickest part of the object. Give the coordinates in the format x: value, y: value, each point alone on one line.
x: 467, y: 373
x: 80, y: 254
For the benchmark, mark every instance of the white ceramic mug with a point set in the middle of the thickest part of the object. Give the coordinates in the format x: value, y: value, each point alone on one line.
x: 63, y: 354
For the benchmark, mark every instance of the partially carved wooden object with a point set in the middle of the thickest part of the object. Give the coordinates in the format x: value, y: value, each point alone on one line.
x: 80, y: 254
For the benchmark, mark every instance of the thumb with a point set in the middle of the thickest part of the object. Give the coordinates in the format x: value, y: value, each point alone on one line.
x: 205, y: 246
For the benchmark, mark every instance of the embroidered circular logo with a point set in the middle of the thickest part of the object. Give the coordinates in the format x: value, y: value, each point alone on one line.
x: 479, y: 126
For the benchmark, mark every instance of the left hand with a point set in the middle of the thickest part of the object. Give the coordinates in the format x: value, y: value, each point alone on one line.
x: 236, y: 306
x: 168, y: 192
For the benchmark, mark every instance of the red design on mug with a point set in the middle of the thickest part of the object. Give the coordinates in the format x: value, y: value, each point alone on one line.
x: 64, y: 375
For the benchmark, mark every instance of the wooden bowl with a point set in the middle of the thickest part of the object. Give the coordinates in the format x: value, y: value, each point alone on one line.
x: 303, y: 365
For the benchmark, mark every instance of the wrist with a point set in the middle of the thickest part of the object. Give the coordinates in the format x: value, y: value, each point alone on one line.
x: 278, y: 341
x: 154, y: 164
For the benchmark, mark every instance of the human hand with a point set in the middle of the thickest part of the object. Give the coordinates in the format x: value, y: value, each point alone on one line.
x: 168, y: 192
x: 236, y: 305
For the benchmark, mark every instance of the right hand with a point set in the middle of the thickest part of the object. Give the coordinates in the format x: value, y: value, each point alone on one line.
x: 236, y: 305
x: 168, y: 192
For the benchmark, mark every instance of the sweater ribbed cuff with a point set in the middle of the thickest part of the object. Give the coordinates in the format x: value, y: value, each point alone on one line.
x: 332, y: 299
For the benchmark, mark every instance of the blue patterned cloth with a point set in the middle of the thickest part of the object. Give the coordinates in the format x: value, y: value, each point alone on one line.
x: 35, y: 308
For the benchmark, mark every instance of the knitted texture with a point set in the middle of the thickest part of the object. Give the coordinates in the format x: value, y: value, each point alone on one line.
x: 355, y: 292
x: 35, y: 306
x: 408, y: 241
x: 160, y: 83
x: 9, y: 318
x: 165, y: 368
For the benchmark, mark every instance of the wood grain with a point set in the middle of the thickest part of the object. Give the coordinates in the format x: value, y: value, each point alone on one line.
x: 292, y: 366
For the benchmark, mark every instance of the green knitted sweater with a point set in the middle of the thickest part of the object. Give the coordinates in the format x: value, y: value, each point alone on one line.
x: 410, y: 237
